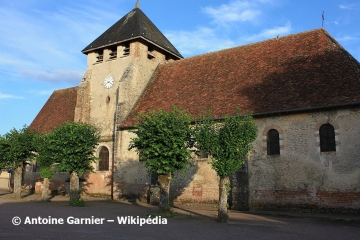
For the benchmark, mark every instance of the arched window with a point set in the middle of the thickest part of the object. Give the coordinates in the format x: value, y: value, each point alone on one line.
x: 273, y: 142
x: 104, y: 159
x: 327, y: 138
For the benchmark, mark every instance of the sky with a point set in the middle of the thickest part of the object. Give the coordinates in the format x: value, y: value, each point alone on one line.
x: 41, y: 40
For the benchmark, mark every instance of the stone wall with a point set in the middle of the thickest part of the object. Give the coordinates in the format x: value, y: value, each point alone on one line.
x: 198, y: 184
x: 4, y: 179
x: 302, y: 175
x: 32, y: 180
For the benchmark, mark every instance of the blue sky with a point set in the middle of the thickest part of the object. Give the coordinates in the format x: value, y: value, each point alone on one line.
x: 41, y: 40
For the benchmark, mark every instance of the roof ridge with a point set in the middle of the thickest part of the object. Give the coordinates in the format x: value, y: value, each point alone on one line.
x: 273, y: 76
x: 64, y: 89
x: 254, y: 43
x: 341, y: 47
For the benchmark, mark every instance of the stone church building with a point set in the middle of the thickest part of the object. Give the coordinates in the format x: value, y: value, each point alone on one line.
x: 302, y: 89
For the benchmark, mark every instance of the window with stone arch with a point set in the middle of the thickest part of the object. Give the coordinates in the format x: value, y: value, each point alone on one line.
x: 103, y: 164
x: 273, y: 142
x: 327, y: 138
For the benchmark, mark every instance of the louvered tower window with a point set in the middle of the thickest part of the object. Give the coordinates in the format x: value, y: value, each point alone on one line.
x: 104, y: 159
x: 100, y: 56
x: 327, y: 138
x: 273, y: 142
x: 126, y: 49
x: 113, y: 53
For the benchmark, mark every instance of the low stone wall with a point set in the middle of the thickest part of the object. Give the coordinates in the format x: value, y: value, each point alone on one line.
x: 4, y: 179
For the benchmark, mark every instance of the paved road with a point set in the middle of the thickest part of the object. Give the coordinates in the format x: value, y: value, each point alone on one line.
x: 189, y: 223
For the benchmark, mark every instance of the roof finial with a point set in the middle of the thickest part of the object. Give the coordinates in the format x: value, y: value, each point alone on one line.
x: 137, y: 5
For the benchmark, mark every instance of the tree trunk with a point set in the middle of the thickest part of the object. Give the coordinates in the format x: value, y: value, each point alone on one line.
x: 164, y: 182
x: 223, y: 196
x: 18, y: 181
x: 74, y: 187
x: 45, y: 190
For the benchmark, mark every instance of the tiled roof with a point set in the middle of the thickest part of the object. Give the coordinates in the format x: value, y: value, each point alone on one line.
x: 133, y: 25
x: 299, y: 71
x: 58, y: 109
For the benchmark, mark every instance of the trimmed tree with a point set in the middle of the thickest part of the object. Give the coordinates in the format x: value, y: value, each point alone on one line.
x: 72, y: 146
x: 46, y: 161
x: 16, y: 148
x: 163, y: 141
x: 228, y: 144
x: 4, y: 152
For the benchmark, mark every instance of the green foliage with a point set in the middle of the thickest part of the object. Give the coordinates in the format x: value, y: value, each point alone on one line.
x: 71, y: 146
x: 45, y: 152
x: 16, y: 147
x: 163, y: 140
x: 228, y: 142
x: 168, y: 213
x: 46, y: 172
x: 4, y: 152
x: 45, y: 158
x: 77, y: 202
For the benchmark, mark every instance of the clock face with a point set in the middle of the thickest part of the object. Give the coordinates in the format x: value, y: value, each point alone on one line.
x: 108, y: 82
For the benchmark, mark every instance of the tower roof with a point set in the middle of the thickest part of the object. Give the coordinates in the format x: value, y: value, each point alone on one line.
x: 133, y: 25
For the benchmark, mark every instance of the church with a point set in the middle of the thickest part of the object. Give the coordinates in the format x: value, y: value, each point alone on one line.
x: 302, y: 89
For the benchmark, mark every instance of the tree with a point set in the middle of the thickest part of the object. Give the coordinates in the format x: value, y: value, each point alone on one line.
x: 72, y: 146
x: 4, y: 151
x: 45, y: 159
x: 228, y: 144
x: 163, y: 141
x: 16, y: 148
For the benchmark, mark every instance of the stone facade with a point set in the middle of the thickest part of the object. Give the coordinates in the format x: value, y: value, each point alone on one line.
x: 199, y: 183
x: 303, y: 175
x: 282, y: 93
x: 106, y: 107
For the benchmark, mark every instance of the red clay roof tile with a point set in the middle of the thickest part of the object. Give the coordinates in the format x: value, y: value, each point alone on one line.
x: 298, y: 71
x: 58, y: 109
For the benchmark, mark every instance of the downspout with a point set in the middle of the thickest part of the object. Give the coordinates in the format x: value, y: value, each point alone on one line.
x: 114, y: 146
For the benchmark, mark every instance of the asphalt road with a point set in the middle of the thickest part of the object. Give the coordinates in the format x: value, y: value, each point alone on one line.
x: 99, y: 220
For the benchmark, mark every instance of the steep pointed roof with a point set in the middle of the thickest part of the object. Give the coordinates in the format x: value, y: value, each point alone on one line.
x: 299, y: 72
x: 133, y: 25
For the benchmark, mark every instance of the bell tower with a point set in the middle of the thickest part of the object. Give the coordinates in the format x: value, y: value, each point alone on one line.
x: 120, y: 62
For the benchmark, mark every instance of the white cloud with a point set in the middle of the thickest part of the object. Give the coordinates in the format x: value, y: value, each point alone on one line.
x: 7, y: 96
x: 43, y: 41
x: 69, y: 76
x: 227, y: 17
x: 41, y: 92
x: 271, y: 32
x: 237, y: 11
x: 348, y: 7
x: 347, y: 39
x: 198, y: 41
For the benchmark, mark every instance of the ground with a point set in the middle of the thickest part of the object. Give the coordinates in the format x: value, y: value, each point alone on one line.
x: 189, y: 222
